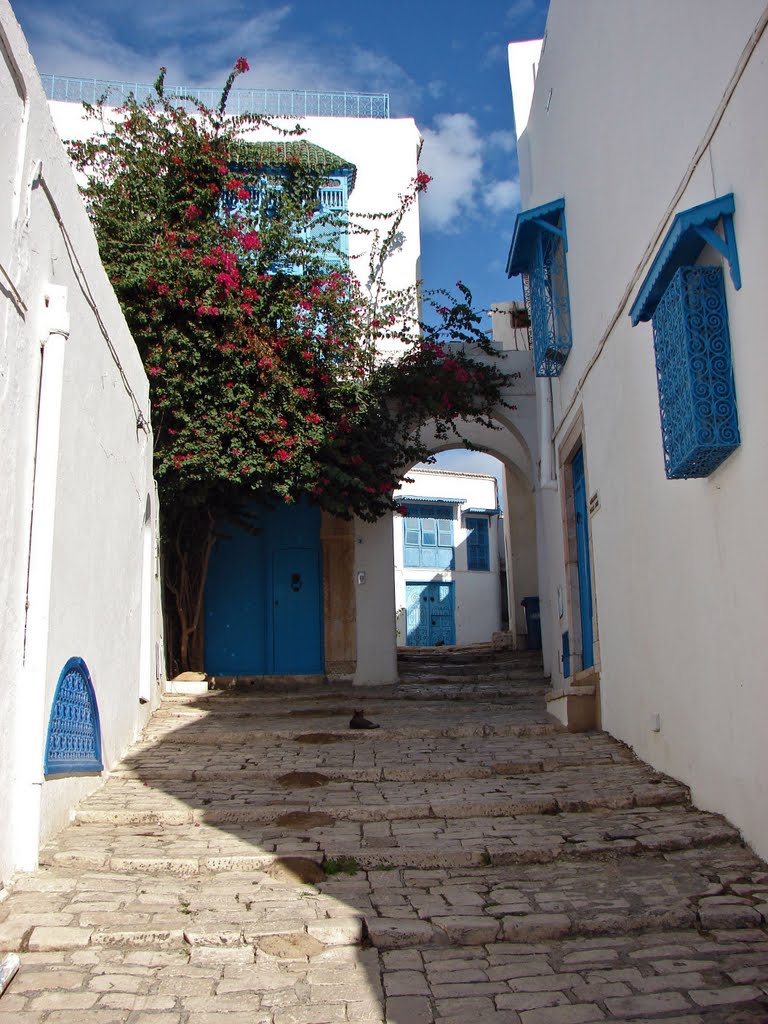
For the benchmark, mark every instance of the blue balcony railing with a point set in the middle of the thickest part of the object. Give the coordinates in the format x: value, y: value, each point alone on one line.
x: 272, y: 102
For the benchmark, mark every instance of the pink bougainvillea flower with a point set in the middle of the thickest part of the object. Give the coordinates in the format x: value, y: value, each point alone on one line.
x: 251, y: 240
x: 242, y: 65
x: 283, y: 454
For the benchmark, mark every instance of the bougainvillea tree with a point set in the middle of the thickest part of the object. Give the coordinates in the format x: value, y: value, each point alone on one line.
x: 259, y: 343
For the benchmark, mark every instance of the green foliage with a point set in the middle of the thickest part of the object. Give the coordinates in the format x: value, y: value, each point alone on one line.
x: 340, y: 866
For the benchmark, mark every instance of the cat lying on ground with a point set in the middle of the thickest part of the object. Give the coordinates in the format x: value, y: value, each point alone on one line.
x: 359, y: 721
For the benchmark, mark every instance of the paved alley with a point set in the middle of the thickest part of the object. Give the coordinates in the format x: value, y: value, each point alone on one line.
x: 254, y: 861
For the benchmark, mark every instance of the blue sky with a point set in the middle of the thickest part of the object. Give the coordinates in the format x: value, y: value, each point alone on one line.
x: 444, y: 63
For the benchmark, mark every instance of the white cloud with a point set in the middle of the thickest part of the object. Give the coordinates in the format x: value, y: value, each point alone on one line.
x: 502, y: 195
x: 503, y: 140
x: 452, y: 154
x: 522, y: 9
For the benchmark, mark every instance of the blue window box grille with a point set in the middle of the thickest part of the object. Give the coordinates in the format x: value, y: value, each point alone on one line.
x: 478, y: 551
x: 74, y: 731
x: 428, y: 537
x: 697, y: 398
x: 685, y: 300
x: 538, y: 252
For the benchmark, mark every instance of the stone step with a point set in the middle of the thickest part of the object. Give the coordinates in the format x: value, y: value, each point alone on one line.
x: 585, y: 788
x: 705, y: 888
x: 194, y: 847
x: 403, y: 760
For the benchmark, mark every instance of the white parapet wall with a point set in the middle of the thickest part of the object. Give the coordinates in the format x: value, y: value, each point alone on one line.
x: 78, y: 533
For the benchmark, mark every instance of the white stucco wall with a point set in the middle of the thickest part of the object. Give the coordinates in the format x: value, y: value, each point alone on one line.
x: 77, y: 561
x: 680, y: 567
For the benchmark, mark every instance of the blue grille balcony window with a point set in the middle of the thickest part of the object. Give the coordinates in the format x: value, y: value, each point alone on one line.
x: 692, y: 347
x: 538, y: 252
x: 428, y: 536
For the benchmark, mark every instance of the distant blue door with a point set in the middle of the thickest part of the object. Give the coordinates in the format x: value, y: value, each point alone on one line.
x: 263, y: 595
x: 582, y: 556
x: 429, y: 614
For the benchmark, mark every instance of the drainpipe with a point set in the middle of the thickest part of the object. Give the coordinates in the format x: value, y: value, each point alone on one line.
x: 547, y: 478
x: 31, y: 714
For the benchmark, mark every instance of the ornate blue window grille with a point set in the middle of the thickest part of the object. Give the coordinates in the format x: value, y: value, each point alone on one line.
x: 697, y: 398
x: 74, y: 731
x: 692, y: 347
x: 538, y: 252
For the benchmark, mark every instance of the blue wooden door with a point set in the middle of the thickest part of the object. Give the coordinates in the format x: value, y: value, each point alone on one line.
x: 297, y: 632
x: 429, y: 614
x: 263, y: 595
x: 582, y: 556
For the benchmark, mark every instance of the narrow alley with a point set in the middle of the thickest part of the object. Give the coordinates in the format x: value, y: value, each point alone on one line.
x: 253, y: 860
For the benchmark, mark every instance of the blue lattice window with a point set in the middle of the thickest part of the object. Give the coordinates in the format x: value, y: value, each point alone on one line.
x: 692, y: 347
x: 478, y: 549
x: 538, y: 252
x: 697, y: 399
x: 74, y: 731
x: 428, y: 537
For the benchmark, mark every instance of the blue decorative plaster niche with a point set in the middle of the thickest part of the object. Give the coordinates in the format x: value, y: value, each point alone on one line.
x: 74, y: 730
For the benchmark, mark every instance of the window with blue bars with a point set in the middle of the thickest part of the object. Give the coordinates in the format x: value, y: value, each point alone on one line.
x: 685, y: 301
x: 329, y: 225
x: 538, y: 252
x: 478, y: 549
x: 428, y: 537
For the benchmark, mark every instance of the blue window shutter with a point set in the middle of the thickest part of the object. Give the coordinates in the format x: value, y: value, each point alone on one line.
x: 478, y: 550
x: 428, y: 537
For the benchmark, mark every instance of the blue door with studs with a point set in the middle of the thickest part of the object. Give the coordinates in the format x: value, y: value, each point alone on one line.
x: 582, y: 557
x: 430, y: 616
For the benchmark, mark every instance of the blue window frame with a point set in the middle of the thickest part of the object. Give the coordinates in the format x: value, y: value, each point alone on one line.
x: 538, y: 252
x: 428, y: 537
x: 692, y: 347
x: 478, y: 549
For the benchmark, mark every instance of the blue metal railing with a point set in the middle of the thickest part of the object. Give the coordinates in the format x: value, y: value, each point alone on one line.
x: 273, y: 102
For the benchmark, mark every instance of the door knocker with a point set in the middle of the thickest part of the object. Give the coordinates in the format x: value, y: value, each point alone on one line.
x: 296, y: 582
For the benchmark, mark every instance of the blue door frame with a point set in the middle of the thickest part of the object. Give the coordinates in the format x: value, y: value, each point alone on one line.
x: 429, y: 614
x: 264, y: 595
x: 582, y: 557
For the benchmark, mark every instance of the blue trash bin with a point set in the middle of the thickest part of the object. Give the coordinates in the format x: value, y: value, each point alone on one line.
x: 532, y: 622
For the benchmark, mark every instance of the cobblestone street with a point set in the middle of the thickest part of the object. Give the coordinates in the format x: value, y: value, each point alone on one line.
x: 254, y: 861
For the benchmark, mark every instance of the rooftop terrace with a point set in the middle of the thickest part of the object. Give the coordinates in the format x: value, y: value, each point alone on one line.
x: 273, y: 102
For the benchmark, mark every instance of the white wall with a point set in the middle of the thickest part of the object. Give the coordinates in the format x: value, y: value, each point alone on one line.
x: 88, y: 474
x: 680, y: 567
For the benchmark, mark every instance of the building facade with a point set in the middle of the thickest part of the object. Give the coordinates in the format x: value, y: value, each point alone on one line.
x: 80, y: 647
x: 642, y: 246
x: 448, y: 584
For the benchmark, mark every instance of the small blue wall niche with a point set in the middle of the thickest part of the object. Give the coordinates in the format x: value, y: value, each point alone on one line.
x: 74, y: 730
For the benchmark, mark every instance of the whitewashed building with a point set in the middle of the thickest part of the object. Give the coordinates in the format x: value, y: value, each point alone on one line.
x: 642, y: 242
x: 447, y: 558
x: 79, y: 643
